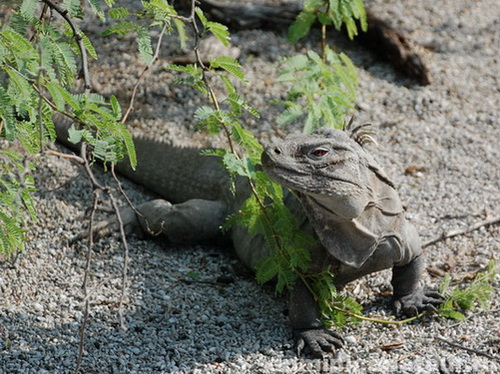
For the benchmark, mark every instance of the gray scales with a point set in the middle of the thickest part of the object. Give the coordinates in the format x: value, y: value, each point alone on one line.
x: 341, y: 195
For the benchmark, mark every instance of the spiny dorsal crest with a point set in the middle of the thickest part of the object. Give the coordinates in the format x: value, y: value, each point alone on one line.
x: 362, y: 134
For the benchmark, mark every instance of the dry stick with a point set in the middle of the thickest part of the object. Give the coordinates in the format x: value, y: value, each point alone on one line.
x: 96, y: 187
x: 125, y: 260
x: 143, y: 73
x: 472, y: 350
x: 453, y: 233
x: 81, y: 344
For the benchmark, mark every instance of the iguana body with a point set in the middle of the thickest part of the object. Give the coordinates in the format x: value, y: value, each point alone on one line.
x: 343, y: 197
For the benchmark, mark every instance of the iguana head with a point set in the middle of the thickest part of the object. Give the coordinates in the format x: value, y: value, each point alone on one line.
x: 329, y: 166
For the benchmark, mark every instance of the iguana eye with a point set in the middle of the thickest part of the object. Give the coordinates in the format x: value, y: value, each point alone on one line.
x: 319, y: 153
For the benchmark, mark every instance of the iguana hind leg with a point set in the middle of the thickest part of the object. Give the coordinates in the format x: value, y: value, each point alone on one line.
x: 188, y: 222
x: 191, y: 221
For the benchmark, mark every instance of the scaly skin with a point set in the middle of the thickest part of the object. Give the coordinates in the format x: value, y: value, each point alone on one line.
x: 344, y: 198
x: 356, y: 213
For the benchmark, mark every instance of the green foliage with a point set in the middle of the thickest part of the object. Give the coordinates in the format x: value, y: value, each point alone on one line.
x: 156, y: 13
x: 336, y: 310
x: 329, y: 12
x: 229, y: 64
x: 462, y: 299
x: 322, y: 91
x: 265, y: 213
x: 219, y: 30
x: 39, y: 61
x: 323, y: 88
x: 16, y: 186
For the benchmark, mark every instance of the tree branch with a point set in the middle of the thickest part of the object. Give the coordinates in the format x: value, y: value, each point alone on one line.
x: 143, y: 73
x: 456, y: 232
x: 471, y: 350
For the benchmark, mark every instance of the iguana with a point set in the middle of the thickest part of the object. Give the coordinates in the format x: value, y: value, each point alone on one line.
x: 340, y: 194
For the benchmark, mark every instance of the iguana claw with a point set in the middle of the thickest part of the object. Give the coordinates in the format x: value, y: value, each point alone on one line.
x: 318, y: 341
x: 418, y: 302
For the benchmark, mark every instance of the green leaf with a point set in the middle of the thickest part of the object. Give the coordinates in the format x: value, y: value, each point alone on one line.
x: 229, y: 64
x: 201, y: 16
x: 7, y: 115
x: 236, y: 166
x: 73, y: 7
x: 89, y: 47
x: 96, y: 8
x: 290, y: 114
x: 181, y: 31
x: 313, y: 5
x: 115, y: 106
x: 220, y: 31
x: 28, y: 8
x: 145, y: 48
x: 122, y: 28
x: 301, y: 26
x: 75, y: 136
x: 129, y: 145
x: 118, y: 13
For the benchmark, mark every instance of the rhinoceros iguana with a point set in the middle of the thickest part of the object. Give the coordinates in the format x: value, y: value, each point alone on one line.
x: 340, y: 194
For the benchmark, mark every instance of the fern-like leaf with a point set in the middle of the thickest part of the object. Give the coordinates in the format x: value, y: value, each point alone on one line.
x: 301, y: 26
x: 229, y: 64
x: 145, y: 48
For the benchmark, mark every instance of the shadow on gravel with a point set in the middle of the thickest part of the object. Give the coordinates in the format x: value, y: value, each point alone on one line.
x: 177, y: 317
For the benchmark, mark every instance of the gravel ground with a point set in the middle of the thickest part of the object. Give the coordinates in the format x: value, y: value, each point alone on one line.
x: 440, y: 143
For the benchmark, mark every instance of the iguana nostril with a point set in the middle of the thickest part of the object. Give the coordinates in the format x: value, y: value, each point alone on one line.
x: 277, y: 151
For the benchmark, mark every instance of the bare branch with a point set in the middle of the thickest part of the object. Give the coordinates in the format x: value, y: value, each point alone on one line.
x: 125, y: 260
x: 143, y: 73
x: 475, y: 351
x: 453, y: 233
x: 95, y: 198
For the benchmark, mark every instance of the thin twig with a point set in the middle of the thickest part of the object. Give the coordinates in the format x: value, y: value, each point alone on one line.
x: 125, y: 260
x: 471, y: 350
x: 143, y: 73
x: 453, y: 233
x: 76, y: 158
x: 380, y: 320
x: 81, y: 345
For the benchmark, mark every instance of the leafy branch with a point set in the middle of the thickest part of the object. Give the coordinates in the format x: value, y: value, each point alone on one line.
x: 323, y: 89
x: 463, y: 299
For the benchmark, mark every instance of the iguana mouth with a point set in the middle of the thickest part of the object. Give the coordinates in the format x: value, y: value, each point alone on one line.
x: 274, y: 173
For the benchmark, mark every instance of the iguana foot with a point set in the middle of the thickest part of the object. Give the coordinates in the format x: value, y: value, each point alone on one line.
x: 111, y: 225
x: 318, y: 341
x: 418, y: 302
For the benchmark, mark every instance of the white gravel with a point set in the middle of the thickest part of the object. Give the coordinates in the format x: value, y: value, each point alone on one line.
x: 449, y: 132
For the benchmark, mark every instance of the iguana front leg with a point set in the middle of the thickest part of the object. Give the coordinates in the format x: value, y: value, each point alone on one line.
x: 192, y: 221
x: 308, y: 330
x: 408, y: 296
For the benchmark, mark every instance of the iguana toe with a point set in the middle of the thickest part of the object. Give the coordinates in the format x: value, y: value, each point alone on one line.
x: 318, y: 341
x: 418, y: 302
